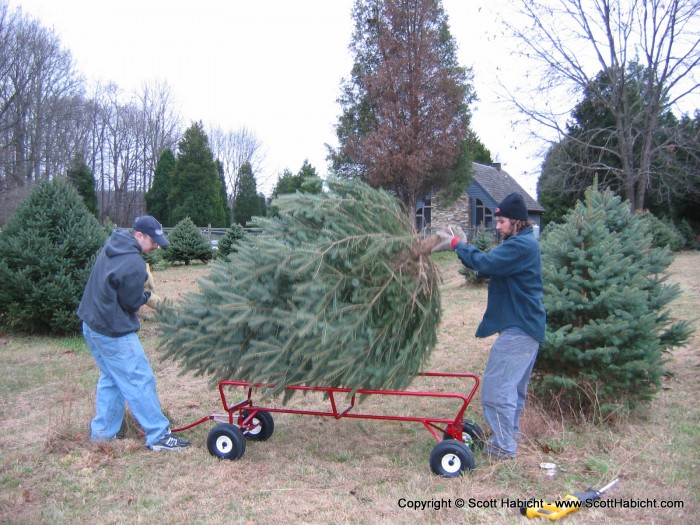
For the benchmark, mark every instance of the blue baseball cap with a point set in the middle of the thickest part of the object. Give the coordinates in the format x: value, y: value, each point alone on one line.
x: 151, y: 227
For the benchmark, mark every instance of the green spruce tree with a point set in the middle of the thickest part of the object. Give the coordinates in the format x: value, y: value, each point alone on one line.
x: 157, y: 197
x: 332, y: 293
x: 46, y: 253
x: 306, y: 180
x: 224, y: 196
x: 196, y: 187
x: 231, y: 239
x: 663, y: 232
x: 82, y: 179
x: 607, y: 300
x: 286, y: 183
x: 247, y: 203
x: 310, y: 182
x: 187, y: 244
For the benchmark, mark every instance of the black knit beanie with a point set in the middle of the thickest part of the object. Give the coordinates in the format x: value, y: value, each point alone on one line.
x: 512, y: 207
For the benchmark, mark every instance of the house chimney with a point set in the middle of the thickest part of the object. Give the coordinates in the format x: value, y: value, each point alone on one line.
x: 496, y: 165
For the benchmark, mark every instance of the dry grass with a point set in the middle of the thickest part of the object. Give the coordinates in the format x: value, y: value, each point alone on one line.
x: 319, y: 470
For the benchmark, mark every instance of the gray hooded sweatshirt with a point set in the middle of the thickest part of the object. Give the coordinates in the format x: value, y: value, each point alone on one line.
x: 114, y: 291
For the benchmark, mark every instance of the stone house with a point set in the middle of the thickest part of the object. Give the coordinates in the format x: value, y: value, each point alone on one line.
x: 490, y: 184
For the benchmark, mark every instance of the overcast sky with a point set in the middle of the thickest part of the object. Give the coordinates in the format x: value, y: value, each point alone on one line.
x: 273, y: 66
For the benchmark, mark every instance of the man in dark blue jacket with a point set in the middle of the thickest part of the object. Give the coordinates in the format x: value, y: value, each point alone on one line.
x: 514, y: 310
x: 113, y: 295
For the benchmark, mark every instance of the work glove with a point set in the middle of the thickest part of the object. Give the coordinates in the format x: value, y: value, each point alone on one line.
x: 153, y: 300
x: 149, y: 285
x: 443, y: 241
x: 458, y: 232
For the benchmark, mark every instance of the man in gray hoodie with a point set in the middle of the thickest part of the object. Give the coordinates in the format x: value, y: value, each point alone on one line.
x: 113, y: 295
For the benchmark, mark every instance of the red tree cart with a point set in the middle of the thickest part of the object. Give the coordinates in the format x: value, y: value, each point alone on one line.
x: 457, y: 437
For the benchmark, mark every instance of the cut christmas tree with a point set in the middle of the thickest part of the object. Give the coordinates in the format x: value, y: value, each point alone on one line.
x: 337, y: 291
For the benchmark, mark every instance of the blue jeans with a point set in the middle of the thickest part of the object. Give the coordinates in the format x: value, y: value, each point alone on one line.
x: 504, y: 389
x: 126, y: 376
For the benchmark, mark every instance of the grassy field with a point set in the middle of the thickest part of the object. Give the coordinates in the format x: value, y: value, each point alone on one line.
x: 322, y: 470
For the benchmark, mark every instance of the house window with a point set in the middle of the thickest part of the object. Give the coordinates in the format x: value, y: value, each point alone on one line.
x: 424, y: 214
x: 484, y: 215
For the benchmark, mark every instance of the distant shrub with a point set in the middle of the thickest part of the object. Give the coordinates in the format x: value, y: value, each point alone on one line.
x: 231, y: 239
x: 689, y: 236
x: 187, y: 244
x: 663, y: 233
x: 156, y: 259
x: 108, y: 226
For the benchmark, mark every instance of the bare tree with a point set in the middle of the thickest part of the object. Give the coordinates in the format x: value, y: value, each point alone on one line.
x: 122, y: 134
x: 39, y: 89
x: 8, y: 56
x: 234, y: 148
x: 577, y: 43
x: 46, y: 119
x: 96, y: 112
x: 123, y: 159
x: 160, y: 126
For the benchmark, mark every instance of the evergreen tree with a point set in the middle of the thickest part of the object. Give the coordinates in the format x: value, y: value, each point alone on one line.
x: 286, y: 183
x: 224, y: 196
x: 553, y: 192
x: 608, y: 323
x: 332, y: 293
x: 477, y: 150
x: 681, y: 200
x: 405, y: 109
x: 306, y: 180
x: 658, y: 167
x: 83, y: 181
x: 47, y: 249
x: 485, y: 240
x: 690, y: 238
x: 663, y: 232
x: 157, y: 197
x: 231, y: 239
x: 196, y: 187
x: 306, y: 177
x: 263, y: 205
x: 247, y: 203
x: 187, y: 243
x: 312, y: 185
x: 310, y: 182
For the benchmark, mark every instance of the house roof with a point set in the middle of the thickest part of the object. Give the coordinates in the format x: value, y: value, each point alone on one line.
x: 497, y: 184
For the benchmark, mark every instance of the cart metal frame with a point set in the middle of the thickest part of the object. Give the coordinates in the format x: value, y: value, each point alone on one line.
x: 456, y: 436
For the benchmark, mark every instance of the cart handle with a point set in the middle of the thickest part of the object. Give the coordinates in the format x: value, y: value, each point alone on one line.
x: 346, y: 411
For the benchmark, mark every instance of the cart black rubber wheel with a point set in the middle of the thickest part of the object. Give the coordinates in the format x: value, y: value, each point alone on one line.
x: 451, y: 458
x: 475, y: 433
x: 472, y: 435
x: 263, y: 426
x: 226, y: 441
